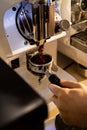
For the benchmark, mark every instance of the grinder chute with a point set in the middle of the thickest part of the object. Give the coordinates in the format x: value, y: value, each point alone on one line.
x: 35, y: 21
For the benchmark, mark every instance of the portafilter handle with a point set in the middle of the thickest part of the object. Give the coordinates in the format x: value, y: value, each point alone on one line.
x: 53, y: 78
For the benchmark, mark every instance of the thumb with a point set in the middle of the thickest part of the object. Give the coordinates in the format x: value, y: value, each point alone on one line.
x: 55, y: 89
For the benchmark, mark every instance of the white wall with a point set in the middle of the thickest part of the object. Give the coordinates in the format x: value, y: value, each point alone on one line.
x: 66, y: 9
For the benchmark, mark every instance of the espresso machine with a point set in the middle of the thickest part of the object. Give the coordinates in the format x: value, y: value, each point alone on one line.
x: 74, y: 44
x: 29, y: 31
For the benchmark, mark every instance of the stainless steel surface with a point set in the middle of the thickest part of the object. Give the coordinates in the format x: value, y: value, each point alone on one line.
x: 76, y: 28
x: 47, y: 73
x: 79, y: 41
x: 77, y: 52
x: 78, y: 11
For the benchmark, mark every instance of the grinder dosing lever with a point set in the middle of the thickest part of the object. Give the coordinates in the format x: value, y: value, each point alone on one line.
x: 53, y: 78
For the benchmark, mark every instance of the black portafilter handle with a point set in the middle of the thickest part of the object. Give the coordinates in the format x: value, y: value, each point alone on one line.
x: 54, y: 79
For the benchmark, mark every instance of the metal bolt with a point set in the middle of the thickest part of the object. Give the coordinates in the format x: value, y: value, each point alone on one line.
x: 25, y: 42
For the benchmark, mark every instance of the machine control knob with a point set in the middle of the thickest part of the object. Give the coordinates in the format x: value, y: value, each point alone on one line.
x: 62, y: 25
x: 84, y: 5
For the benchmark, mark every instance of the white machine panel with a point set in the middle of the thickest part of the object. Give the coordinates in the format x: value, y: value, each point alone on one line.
x: 16, y: 41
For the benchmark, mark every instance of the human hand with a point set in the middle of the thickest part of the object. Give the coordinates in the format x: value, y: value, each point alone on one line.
x: 71, y: 100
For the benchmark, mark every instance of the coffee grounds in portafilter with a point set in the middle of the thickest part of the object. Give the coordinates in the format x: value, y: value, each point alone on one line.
x: 41, y: 58
x: 36, y: 59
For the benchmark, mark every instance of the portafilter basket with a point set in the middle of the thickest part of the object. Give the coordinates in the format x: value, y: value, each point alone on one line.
x: 42, y: 67
x: 37, y: 65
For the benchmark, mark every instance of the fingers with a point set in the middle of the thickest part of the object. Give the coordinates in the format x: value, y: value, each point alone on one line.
x: 55, y: 100
x: 60, y: 102
x: 54, y: 88
x: 65, y: 84
x: 65, y: 89
x: 70, y: 84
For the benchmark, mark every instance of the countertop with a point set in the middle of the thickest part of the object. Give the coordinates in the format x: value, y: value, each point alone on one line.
x: 70, y: 66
